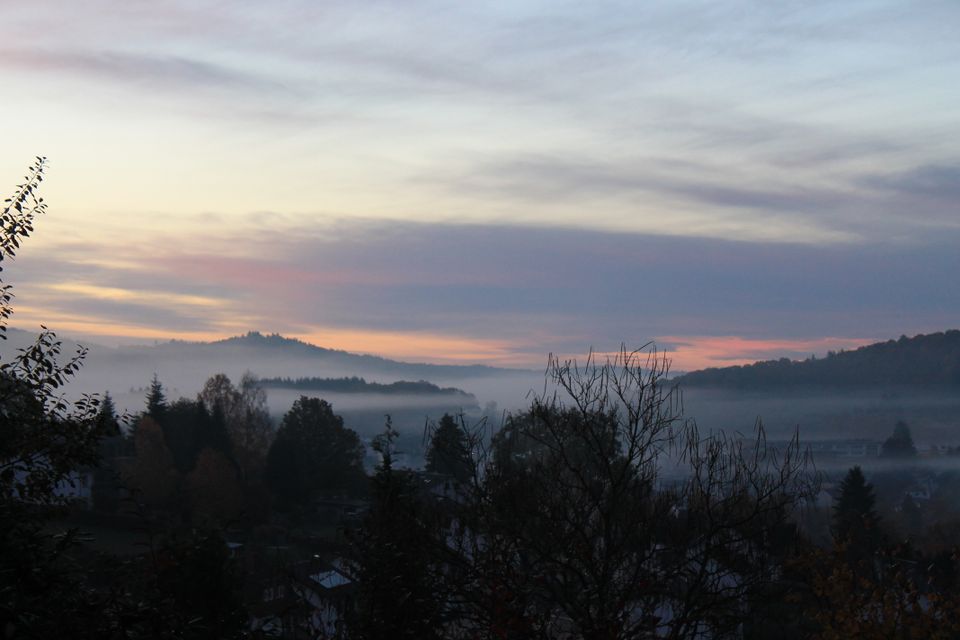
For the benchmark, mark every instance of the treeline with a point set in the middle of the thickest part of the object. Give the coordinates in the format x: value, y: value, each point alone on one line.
x: 931, y: 360
x: 573, y: 523
x: 356, y: 384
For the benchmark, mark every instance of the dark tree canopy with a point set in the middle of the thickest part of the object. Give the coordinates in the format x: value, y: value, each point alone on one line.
x: 44, y: 441
x: 156, y: 400
x: 314, y: 454
x: 573, y: 529
x: 107, y: 418
x: 392, y: 557
x: 449, y: 451
x: 49, y: 587
x: 189, y: 428
x: 900, y: 444
x: 243, y: 412
x: 855, y: 519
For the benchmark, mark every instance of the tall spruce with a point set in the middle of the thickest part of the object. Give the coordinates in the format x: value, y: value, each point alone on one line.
x: 855, y: 519
x: 449, y: 451
x: 392, y: 558
x: 156, y: 400
x: 107, y: 420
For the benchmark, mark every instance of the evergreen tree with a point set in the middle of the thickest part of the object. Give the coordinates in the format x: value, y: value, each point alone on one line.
x: 392, y: 559
x: 189, y: 429
x: 448, y: 452
x: 107, y: 484
x: 855, y: 520
x: 156, y: 400
x: 107, y: 420
x: 900, y: 444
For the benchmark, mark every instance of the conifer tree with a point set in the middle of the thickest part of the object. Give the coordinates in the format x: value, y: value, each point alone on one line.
x: 449, y: 452
x: 855, y: 520
x: 156, y: 400
x: 900, y: 444
x: 392, y: 559
x: 107, y: 419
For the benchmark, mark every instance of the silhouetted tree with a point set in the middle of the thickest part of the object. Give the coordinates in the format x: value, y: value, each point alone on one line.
x: 153, y: 472
x: 900, y: 444
x: 188, y: 428
x: 314, y: 453
x: 448, y: 451
x: 855, y: 520
x: 196, y: 578
x: 244, y: 412
x: 45, y: 592
x: 214, y: 488
x: 107, y: 419
x: 44, y: 441
x: 392, y: 557
x: 573, y: 528
x: 156, y: 400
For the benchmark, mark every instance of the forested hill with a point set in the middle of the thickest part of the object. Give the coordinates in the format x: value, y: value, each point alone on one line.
x: 925, y: 360
x: 359, y: 385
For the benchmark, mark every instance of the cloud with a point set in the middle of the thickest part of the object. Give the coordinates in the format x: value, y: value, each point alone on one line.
x: 160, y: 70
x: 536, y: 178
x: 861, y: 207
x: 627, y: 171
x: 937, y: 184
x: 515, y: 289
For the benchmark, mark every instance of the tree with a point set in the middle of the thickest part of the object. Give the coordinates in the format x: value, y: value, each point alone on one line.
x: 573, y: 526
x: 900, y: 444
x: 214, y: 488
x: 244, y: 412
x: 903, y: 600
x: 252, y: 433
x: 189, y: 428
x: 156, y: 400
x: 448, y: 452
x: 392, y: 557
x: 154, y: 473
x: 313, y: 453
x: 44, y: 440
x: 196, y: 578
x: 855, y: 520
x: 107, y: 419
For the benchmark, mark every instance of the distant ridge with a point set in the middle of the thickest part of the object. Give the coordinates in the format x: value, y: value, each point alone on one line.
x: 359, y: 385
x: 931, y: 360
x: 267, y: 355
x: 299, y: 348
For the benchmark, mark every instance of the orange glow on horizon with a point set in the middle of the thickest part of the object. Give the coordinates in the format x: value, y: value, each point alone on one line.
x: 420, y: 347
x: 701, y: 352
x: 686, y: 353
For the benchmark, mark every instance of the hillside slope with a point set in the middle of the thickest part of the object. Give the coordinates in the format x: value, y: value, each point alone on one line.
x: 931, y: 360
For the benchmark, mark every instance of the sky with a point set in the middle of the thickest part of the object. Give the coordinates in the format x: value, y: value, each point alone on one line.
x: 489, y: 182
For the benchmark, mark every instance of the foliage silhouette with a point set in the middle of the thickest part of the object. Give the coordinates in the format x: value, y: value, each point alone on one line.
x: 448, y: 451
x: 314, y: 454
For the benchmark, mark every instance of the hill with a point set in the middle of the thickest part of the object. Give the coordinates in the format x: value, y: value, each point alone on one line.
x: 183, y: 366
x: 931, y: 360
x: 259, y: 348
